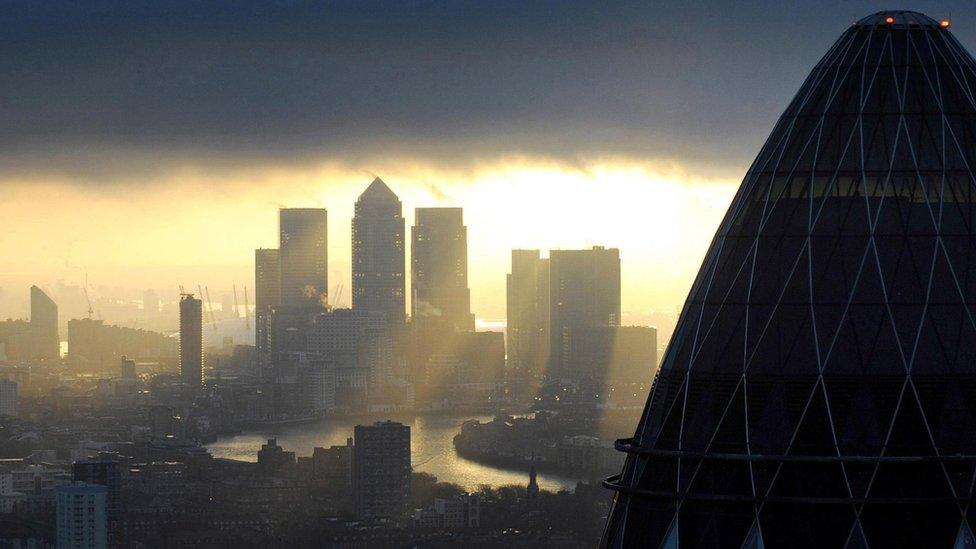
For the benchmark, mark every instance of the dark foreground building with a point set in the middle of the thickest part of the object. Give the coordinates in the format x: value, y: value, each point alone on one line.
x: 820, y: 388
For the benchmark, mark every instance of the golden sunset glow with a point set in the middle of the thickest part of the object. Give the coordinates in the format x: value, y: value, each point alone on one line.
x: 194, y: 225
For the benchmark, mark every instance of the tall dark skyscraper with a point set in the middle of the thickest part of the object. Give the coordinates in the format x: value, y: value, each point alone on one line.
x: 584, y: 293
x: 819, y: 388
x: 303, y: 253
x: 381, y: 469
x: 439, y: 260
x: 45, y: 343
x: 527, y: 318
x: 191, y: 340
x: 267, y: 294
x: 378, y: 264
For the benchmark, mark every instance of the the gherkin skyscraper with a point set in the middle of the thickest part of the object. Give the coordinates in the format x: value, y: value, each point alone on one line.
x: 820, y: 388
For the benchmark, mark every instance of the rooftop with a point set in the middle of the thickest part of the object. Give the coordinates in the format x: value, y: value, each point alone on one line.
x: 899, y: 19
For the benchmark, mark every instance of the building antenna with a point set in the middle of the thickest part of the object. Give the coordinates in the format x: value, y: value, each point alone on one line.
x: 237, y: 309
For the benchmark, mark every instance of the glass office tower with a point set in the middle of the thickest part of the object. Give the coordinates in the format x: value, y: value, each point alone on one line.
x: 820, y: 388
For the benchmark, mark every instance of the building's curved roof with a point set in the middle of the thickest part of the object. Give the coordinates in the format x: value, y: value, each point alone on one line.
x: 899, y: 19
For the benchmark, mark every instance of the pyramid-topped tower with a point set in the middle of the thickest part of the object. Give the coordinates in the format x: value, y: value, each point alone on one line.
x: 820, y: 387
x: 378, y: 192
x: 378, y: 268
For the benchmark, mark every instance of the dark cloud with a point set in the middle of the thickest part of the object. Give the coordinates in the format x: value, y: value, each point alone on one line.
x: 90, y: 88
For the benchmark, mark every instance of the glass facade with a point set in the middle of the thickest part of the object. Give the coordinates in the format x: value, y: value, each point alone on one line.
x: 820, y: 388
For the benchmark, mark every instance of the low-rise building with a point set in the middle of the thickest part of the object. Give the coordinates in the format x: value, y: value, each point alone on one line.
x: 462, y: 511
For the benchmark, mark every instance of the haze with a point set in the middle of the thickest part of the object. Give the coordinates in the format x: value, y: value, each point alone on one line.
x: 151, y: 147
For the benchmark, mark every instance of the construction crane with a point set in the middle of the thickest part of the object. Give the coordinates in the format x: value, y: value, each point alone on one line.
x: 203, y: 297
x: 88, y: 299
x: 213, y: 320
x: 247, y: 314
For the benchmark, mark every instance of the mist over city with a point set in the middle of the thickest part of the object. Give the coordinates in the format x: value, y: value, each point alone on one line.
x: 490, y: 274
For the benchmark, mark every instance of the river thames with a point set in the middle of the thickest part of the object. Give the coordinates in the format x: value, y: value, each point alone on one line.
x: 431, y: 448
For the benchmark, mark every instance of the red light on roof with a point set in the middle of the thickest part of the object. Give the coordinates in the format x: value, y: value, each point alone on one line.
x: 944, y: 23
x: 889, y: 19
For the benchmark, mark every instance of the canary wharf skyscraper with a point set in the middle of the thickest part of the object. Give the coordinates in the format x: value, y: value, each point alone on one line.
x: 303, y: 253
x: 820, y: 388
x: 439, y: 264
x: 378, y: 268
x: 267, y: 294
x: 191, y: 340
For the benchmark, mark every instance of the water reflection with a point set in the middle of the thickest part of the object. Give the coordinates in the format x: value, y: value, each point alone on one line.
x: 431, y: 449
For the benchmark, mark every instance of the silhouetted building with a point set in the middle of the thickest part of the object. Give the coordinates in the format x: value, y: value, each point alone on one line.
x: 106, y: 470
x: 584, y: 293
x: 44, y: 326
x: 332, y: 466
x: 8, y: 398
x: 159, y: 485
x: 456, y: 513
x: 439, y: 267
x: 381, y: 469
x: 94, y: 346
x: 818, y: 388
x: 527, y: 329
x: 150, y: 303
x: 467, y: 358
x: 615, y: 355
x: 128, y: 368
x: 267, y: 295
x: 16, y: 340
x: 161, y: 421
x: 352, y: 339
x: 273, y: 459
x: 191, y: 340
x: 304, y: 257
x: 532, y: 489
x: 81, y: 516
x: 378, y: 268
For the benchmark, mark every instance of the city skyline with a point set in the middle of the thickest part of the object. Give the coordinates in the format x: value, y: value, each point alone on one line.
x: 675, y: 171
x: 488, y: 260
x: 472, y: 273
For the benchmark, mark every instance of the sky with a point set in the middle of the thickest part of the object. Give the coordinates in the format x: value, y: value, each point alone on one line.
x: 150, y: 144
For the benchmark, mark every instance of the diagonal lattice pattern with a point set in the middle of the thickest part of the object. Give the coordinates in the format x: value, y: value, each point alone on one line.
x: 820, y: 387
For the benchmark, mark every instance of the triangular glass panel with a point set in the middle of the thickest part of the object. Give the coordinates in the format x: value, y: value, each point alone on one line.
x: 965, y: 539
x: 754, y: 540
x: 731, y: 437
x: 858, y: 424
x: 815, y: 434
x: 712, y: 397
x: 671, y: 539
x: 856, y: 539
x: 859, y: 475
x: 909, y: 434
x: 939, y: 339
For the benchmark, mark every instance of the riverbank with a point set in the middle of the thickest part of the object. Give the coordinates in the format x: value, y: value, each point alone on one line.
x: 551, y: 442
x: 432, y: 448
